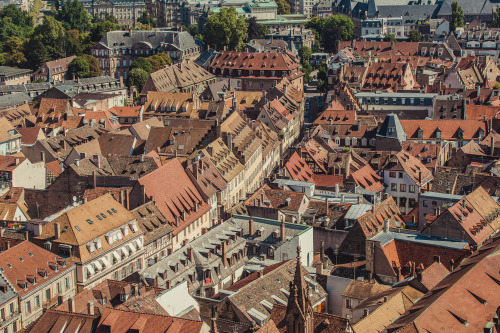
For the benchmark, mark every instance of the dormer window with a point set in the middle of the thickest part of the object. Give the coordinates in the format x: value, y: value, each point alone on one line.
x: 133, y: 226
x: 124, y: 231
x: 420, y: 133
x: 438, y: 134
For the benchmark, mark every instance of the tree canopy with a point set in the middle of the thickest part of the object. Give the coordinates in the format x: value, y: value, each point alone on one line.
x: 457, y: 16
x: 73, y: 16
x: 336, y: 28
x: 226, y: 28
x: 143, y: 64
x: 496, y: 18
x: 137, y: 77
x: 255, y: 30
x: 283, y: 7
x: 79, y: 68
x: 414, y: 36
x: 305, y: 54
x: 388, y: 37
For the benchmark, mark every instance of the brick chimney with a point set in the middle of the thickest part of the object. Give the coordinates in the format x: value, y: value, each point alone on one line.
x: 224, y: 253
x: 326, y: 206
x: 57, y: 230
x: 71, y: 304
x: 190, y: 254
x: 250, y: 227
x: 90, y: 308
x: 282, y: 229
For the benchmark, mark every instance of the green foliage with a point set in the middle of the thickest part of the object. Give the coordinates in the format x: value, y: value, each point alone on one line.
x: 2, y: 59
x: 143, y: 64
x: 322, y: 77
x: 39, y: 80
x: 496, y: 86
x: 137, y: 78
x: 336, y: 28
x: 388, y: 37
x: 15, y: 23
x: 496, y: 18
x: 165, y: 57
x: 192, y: 29
x: 99, y: 30
x: 79, y: 68
x: 73, y: 16
x: 35, y: 10
x: 414, y: 36
x: 95, y: 69
x: 283, y: 7
x: 158, y: 61
x: 147, y: 20
x: 73, y: 43
x: 226, y: 28
x: 307, y: 69
x: 457, y: 16
x: 47, y: 43
x: 316, y: 24
x: 255, y: 30
x: 14, y: 55
x: 305, y: 54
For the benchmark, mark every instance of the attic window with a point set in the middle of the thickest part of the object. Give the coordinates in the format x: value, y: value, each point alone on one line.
x: 114, y: 210
x: 99, y: 217
x: 90, y: 221
x: 77, y: 228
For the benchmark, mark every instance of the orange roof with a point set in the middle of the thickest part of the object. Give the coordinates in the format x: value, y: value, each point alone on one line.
x: 480, y: 112
x: 126, y: 111
x: 334, y: 117
x: 367, y: 179
x: 450, y: 129
x: 298, y: 169
x: 175, y: 195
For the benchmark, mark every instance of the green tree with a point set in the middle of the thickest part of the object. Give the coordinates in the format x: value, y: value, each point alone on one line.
x: 226, y: 28
x: 337, y: 28
x: 73, y: 43
x: 13, y: 45
x: 322, y: 78
x: 95, y: 69
x: 414, y: 36
x: 316, y: 24
x: 307, y: 69
x: 143, y: 64
x: 48, y: 42
x: 283, y: 7
x: 496, y: 18
x: 15, y: 23
x: 165, y: 57
x: 79, y: 68
x: 192, y: 29
x: 388, y: 37
x: 255, y: 30
x: 137, y: 78
x: 99, y: 30
x: 496, y: 86
x: 74, y: 16
x: 147, y: 20
x: 305, y: 54
x: 457, y: 16
x: 110, y: 18
x: 14, y: 55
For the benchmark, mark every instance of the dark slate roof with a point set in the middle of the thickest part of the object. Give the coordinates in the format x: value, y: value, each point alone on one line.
x: 123, y: 39
x: 470, y: 7
x: 7, y: 71
x: 14, y: 99
x: 392, y: 121
x: 414, y: 11
x: 206, y: 58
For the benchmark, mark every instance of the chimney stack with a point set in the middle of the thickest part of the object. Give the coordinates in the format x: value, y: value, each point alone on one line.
x: 322, y: 251
x: 326, y: 206
x: 90, y: 308
x: 492, y: 149
x: 71, y: 304
x: 386, y: 225
x: 452, y: 265
x: 282, y: 230
x: 57, y: 230
x: 260, y: 273
x: 26, y: 235
x: 250, y: 227
x: 224, y: 253
x: 190, y: 254
x: 437, y: 259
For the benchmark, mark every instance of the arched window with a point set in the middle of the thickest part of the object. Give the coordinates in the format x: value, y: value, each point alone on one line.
x: 118, y: 63
x: 347, y: 141
x: 364, y: 142
x: 354, y: 141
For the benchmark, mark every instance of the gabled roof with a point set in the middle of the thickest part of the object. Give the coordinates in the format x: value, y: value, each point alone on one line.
x: 175, y: 195
x: 412, y: 166
x: 23, y: 266
x: 465, y: 300
x: 391, y: 128
x: 7, y: 131
x: 298, y: 169
x: 367, y: 179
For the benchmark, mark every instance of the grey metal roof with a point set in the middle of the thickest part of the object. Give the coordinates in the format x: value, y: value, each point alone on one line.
x: 356, y: 211
x: 441, y: 196
x: 7, y: 71
x: 392, y: 128
x: 413, y: 11
x: 394, y: 95
x: 125, y: 39
x: 9, y: 294
x: 14, y: 99
x: 386, y: 237
x: 293, y: 182
x: 470, y: 7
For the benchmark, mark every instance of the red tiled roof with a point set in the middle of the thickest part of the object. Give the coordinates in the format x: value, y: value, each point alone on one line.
x: 298, y: 168
x: 381, y: 49
x: 449, y: 129
x: 413, y: 167
x: 367, y: 179
x: 22, y: 263
x: 29, y: 134
x: 277, y: 198
x: 126, y: 111
x: 334, y: 117
x: 174, y: 194
x: 54, y: 167
x: 255, y: 61
x: 328, y: 180
x: 480, y: 112
x: 8, y: 163
x: 423, y: 151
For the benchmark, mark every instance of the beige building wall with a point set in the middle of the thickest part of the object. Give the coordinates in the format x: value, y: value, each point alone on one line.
x: 192, y: 231
x: 46, y: 295
x: 253, y: 171
x: 10, y: 320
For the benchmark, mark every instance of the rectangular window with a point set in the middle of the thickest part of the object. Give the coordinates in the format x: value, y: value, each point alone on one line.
x: 58, y: 287
x: 11, y: 308
x: 400, y: 175
x: 124, y: 272
x: 28, y: 307
x: 425, y: 204
x: 412, y: 189
x: 348, y: 304
x: 394, y: 187
x: 392, y: 174
x: 139, y: 265
x: 402, y: 187
x: 66, y: 282
x: 47, y: 294
x: 37, y: 301
x: 2, y: 314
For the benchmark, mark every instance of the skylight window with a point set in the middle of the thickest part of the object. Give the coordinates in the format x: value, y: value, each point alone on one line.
x: 99, y: 217
x: 114, y: 210
x: 21, y: 258
x: 90, y: 221
x: 77, y: 228
x: 103, y: 216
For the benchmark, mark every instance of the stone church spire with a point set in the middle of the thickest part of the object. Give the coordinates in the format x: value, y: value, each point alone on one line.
x: 299, y: 311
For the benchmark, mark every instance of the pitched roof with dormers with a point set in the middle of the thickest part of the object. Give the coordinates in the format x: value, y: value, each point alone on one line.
x: 277, y: 199
x: 27, y: 267
x: 367, y: 179
x: 206, y: 176
x: 383, y: 50
x: 465, y: 300
x: 412, y: 166
x: 245, y: 139
x: 298, y: 169
x: 175, y: 195
x: 81, y: 225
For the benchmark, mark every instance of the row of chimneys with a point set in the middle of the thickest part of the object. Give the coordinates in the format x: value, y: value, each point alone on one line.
x: 282, y: 228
